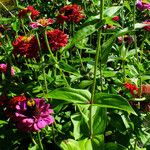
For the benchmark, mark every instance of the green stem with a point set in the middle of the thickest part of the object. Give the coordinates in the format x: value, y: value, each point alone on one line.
x: 55, y: 60
x: 98, y: 54
x: 40, y: 141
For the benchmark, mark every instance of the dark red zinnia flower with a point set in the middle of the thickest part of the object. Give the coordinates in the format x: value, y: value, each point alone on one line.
x: 132, y: 88
x: 116, y: 18
x: 26, y: 46
x: 57, y: 39
x: 30, y: 9
x: 70, y: 13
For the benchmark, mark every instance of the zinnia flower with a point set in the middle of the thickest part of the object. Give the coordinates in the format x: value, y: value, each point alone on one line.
x: 29, y: 10
x: 116, y: 18
x: 146, y: 89
x: 142, y: 4
x: 41, y: 22
x: 26, y: 46
x: 32, y: 115
x: 132, y: 88
x: 126, y: 38
x: 147, y: 28
x: 3, y: 68
x: 57, y: 39
x: 70, y: 13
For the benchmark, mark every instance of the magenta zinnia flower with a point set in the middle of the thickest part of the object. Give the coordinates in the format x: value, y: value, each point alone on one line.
x: 32, y: 115
x: 3, y: 68
x: 142, y: 4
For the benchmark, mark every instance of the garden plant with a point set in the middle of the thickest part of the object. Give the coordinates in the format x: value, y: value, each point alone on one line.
x: 74, y: 75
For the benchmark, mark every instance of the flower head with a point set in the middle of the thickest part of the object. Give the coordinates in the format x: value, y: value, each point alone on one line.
x: 3, y: 68
x: 142, y: 4
x: 29, y: 10
x: 116, y: 18
x: 32, y: 115
x: 146, y: 89
x: 147, y: 28
x: 70, y: 13
x: 126, y: 38
x: 26, y: 46
x: 57, y: 39
x: 41, y: 22
x: 132, y: 88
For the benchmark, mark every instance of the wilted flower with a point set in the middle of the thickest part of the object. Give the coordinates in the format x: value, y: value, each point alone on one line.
x: 145, y: 106
x: 29, y: 10
x: 147, y: 28
x: 57, y: 39
x: 132, y: 88
x: 142, y: 4
x: 108, y: 26
x: 3, y: 68
x: 26, y: 46
x: 41, y: 22
x: 32, y: 115
x: 146, y: 89
x: 116, y: 18
x: 3, y: 99
x: 126, y: 38
x: 70, y: 13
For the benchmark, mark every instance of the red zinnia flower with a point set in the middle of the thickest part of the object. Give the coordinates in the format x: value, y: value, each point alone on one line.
x: 26, y: 46
x: 115, y: 18
x: 33, y: 12
x: 70, y: 13
x: 57, y: 39
x: 132, y: 88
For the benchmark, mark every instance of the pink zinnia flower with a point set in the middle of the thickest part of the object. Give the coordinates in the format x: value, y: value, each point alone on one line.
x: 26, y: 46
x: 3, y: 68
x: 41, y: 22
x: 57, y: 39
x: 30, y: 9
x: 70, y: 13
x: 32, y: 115
x: 132, y: 88
x: 142, y: 4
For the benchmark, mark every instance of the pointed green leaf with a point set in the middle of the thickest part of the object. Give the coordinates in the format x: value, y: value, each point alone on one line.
x: 70, y: 95
x: 113, y: 101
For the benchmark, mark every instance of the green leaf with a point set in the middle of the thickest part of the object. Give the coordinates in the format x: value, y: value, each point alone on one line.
x: 70, y: 95
x: 99, y: 116
x: 85, y: 83
x: 111, y: 11
x: 113, y: 101
x: 114, y: 146
x: 87, y: 29
x: 71, y: 144
x: 76, y: 120
x: 67, y: 68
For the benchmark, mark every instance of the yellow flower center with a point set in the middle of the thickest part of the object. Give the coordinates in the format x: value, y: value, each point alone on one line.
x: 27, y: 39
x: 31, y: 103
